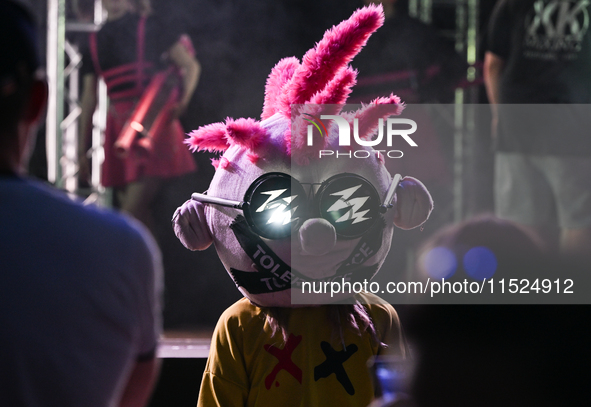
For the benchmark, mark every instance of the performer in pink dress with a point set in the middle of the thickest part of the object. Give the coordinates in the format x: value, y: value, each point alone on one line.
x: 131, y: 47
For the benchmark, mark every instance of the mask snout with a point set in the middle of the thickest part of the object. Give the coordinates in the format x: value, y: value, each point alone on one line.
x: 317, y: 236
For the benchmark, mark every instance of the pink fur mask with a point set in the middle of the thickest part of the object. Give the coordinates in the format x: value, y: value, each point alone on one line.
x: 268, y: 269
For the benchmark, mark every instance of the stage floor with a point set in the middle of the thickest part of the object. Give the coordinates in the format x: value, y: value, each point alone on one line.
x: 185, y: 344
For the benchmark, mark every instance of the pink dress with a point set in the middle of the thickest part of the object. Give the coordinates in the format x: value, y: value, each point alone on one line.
x: 169, y: 156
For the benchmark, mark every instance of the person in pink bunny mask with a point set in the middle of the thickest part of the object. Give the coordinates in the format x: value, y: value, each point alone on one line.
x: 281, y: 215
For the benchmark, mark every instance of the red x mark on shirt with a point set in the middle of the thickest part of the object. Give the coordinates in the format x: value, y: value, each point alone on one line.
x: 285, y: 362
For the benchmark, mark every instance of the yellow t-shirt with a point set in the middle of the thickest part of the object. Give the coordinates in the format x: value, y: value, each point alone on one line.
x: 247, y: 366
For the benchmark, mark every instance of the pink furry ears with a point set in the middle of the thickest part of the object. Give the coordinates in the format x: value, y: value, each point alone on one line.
x: 219, y: 136
x: 247, y: 133
x: 322, y: 78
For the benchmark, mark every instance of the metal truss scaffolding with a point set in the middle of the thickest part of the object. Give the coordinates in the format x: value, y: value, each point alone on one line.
x: 465, y: 35
x: 63, y: 110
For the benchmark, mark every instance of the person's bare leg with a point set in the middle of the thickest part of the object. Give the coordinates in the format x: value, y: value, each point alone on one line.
x: 548, y: 236
x: 137, y: 199
x: 576, y: 243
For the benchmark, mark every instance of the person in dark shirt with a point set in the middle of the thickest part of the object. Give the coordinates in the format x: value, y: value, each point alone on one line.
x: 80, y: 286
x: 536, y: 71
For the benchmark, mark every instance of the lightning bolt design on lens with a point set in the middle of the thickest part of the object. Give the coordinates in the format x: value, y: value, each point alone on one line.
x: 281, y: 211
x: 354, y: 205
